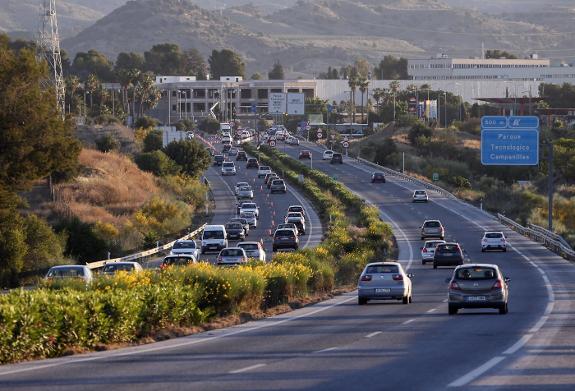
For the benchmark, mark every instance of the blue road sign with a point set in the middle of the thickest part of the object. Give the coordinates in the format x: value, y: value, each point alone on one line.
x: 329, y: 108
x: 509, y: 141
x: 254, y: 108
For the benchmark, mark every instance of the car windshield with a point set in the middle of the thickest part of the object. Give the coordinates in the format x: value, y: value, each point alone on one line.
x: 419, y: 192
x: 241, y: 184
x: 373, y: 269
x: 248, y: 215
x: 219, y: 157
x: 277, y: 182
x: 234, y: 226
x: 187, y: 244
x: 447, y: 248
x: 232, y: 252
x: 249, y: 206
x: 294, y: 214
x: 264, y: 168
x: 432, y: 224
x: 337, y: 155
x: 432, y: 244
x: 476, y: 273
x: 378, y: 174
x: 285, y: 233
x: 217, y: 234
x: 240, y: 220
x: 245, y: 188
x: 128, y: 267
x: 66, y: 272
x: 296, y: 209
x: 249, y: 246
x: 176, y: 261
x: 494, y: 235
x: 228, y: 165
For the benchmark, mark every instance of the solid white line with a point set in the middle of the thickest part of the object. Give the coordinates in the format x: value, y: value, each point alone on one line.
x: 476, y: 372
x: 519, y: 344
x: 327, y: 350
x: 431, y: 310
x: 195, y: 341
x: 247, y: 368
x: 409, y: 321
x: 373, y: 334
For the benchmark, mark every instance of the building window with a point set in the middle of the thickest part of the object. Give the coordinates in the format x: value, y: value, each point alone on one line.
x: 174, y: 108
x: 292, y: 90
x: 262, y: 94
x: 276, y: 90
x: 200, y: 93
x: 199, y: 107
x: 246, y: 93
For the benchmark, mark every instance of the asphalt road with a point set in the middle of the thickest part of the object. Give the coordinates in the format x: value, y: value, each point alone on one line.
x: 338, y: 345
x: 272, y: 209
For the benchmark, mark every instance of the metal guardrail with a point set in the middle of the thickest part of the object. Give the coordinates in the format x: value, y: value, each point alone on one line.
x: 552, y: 244
x: 142, y: 254
x: 549, y: 234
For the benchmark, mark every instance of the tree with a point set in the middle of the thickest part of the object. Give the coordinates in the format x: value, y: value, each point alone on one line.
x: 256, y: 76
x: 277, y: 72
x: 192, y: 156
x: 127, y: 62
x: 158, y: 163
x: 43, y: 247
x: 385, y: 153
x: 392, y: 68
x: 166, y: 59
x: 352, y: 83
x: 34, y: 140
x: 153, y: 141
x: 106, y: 143
x: 226, y: 63
x: 93, y: 62
x: 363, y: 85
x: 418, y: 131
x: 12, y: 239
x: 145, y: 122
x: 362, y: 67
x: 195, y: 64
x: 499, y: 54
x: 146, y: 92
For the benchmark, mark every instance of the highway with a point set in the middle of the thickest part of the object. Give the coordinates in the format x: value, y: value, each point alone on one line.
x: 338, y: 345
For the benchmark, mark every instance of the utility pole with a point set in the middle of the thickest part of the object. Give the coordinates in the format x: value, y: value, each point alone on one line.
x: 550, y: 189
x: 48, y: 48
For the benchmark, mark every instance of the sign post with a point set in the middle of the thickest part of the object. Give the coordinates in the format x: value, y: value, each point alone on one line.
x: 509, y: 141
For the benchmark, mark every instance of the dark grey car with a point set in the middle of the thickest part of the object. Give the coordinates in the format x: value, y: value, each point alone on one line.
x: 448, y: 254
x: 478, y: 286
x: 285, y: 239
x: 235, y: 231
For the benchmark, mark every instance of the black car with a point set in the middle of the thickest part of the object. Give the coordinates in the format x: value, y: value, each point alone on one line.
x: 243, y: 222
x: 336, y: 158
x: 235, y: 231
x: 252, y: 163
x: 448, y: 254
x: 226, y: 148
x: 241, y: 156
x: 377, y: 177
x: 285, y: 238
x: 219, y: 160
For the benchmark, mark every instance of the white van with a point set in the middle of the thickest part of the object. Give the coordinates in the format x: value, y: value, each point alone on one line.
x: 214, y: 238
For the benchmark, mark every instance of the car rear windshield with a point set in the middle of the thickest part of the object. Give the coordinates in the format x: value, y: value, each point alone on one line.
x: 277, y: 182
x: 432, y: 224
x: 66, y: 272
x: 285, y: 233
x: 447, y: 248
x: 264, y: 168
x: 476, y: 273
x: 176, y: 261
x: 230, y: 252
x: 294, y: 214
x: 228, y: 164
x: 245, y: 188
x: 249, y: 206
x: 382, y: 269
x: 234, y: 226
x: 420, y: 192
x: 296, y: 209
x: 213, y: 234
x: 189, y: 244
x: 117, y: 268
x: 249, y: 246
x: 248, y: 215
x: 494, y: 235
x: 431, y: 244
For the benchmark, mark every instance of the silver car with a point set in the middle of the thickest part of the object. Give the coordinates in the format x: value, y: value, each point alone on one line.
x: 420, y: 196
x: 250, y: 217
x: 428, y: 250
x: 131, y: 267
x: 65, y: 272
x: 254, y: 250
x: 245, y: 192
x: 278, y: 186
x: 228, y: 168
x: 478, y: 286
x: 384, y: 281
x: 232, y: 256
x: 432, y: 229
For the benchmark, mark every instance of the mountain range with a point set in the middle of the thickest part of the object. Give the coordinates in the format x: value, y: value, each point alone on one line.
x: 306, y: 36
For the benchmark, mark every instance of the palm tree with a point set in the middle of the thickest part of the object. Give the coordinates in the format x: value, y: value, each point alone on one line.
x: 378, y: 95
x: 352, y: 82
x: 147, y: 93
x: 73, y: 85
x: 363, y: 84
x: 92, y: 85
x: 394, y: 88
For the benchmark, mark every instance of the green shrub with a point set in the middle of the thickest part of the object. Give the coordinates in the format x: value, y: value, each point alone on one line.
x: 153, y: 141
x: 158, y: 163
x: 107, y: 143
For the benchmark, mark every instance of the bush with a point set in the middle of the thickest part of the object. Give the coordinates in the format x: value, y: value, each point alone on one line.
x: 191, y: 155
x: 210, y: 125
x: 43, y: 247
x: 158, y: 163
x: 145, y: 122
x: 83, y: 244
x: 153, y: 141
x: 107, y: 143
x: 417, y: 131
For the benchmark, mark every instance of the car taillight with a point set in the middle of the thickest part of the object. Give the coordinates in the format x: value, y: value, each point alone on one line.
x: 502, y: 240
x: 484, y: 240
x: 397, y: 277
x: 366, y: 277
x: 455, y: 286
x: 219, y: 259
x: 498, y: 285
x: 424, y: 250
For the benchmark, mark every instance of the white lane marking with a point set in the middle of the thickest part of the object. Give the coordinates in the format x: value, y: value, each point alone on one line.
x: 431, y: 310
x: 468, y: 378
x: 402, y: 234
x: 327, y: 350
x: 373, y: 334
x: 195, y: 341
x: 409, y: 321
x: 251, y: 367
x: 519, y: 344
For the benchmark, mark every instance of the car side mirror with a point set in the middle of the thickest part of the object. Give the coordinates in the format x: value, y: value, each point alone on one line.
x: 506, y: 279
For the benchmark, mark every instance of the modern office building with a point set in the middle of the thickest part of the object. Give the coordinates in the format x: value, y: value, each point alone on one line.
x: 443, y: 67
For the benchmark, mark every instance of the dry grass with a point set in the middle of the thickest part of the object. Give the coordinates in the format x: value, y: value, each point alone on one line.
x: 109, y: 189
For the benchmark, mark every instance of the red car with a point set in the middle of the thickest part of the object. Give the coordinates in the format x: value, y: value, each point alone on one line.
x: 305, y: 154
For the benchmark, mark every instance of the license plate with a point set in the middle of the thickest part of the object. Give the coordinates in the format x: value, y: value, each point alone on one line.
x: 476, y: 298
x: 382, y: 290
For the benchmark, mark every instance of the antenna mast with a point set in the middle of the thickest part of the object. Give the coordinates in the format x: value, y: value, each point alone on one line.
x: 49, y: 50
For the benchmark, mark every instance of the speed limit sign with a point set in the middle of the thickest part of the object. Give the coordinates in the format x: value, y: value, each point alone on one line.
x: 319, y: 135
x: 272, y: 143
x: 346, y: 138
x: 345, y: 144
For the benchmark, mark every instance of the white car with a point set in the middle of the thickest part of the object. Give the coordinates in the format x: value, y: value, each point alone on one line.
x: 226, y: 139
x: 232, y: 256
x: 420, y: 196
x: 250, y: 217
x: 185, y: 247
x: 112, y: 268
x: 64, y: 272
x: 493, y: 240
x: 250, y: 207
x: 253, y: 250
x: 263, y: 170
x: 245, y: 192
x: 228, y: 168
x: 428, y: 250
x: 297, y: 219
x: 327, y: 155
x: 238, y: 186
x: 292, y: 140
